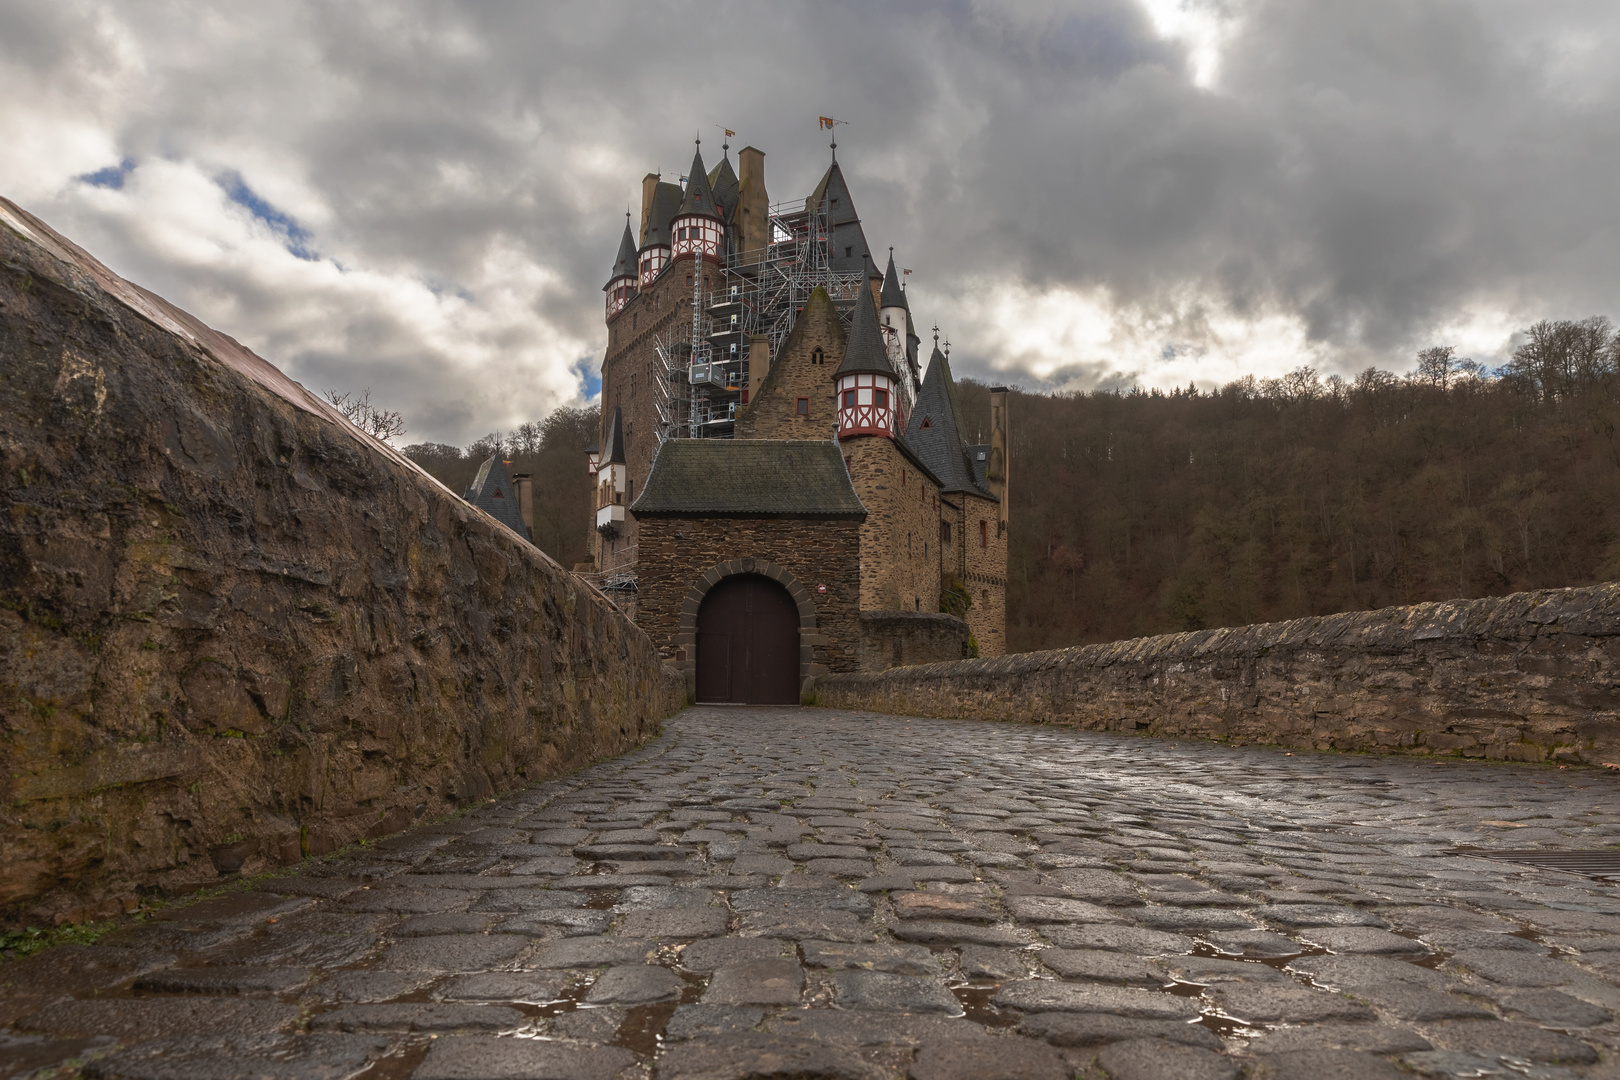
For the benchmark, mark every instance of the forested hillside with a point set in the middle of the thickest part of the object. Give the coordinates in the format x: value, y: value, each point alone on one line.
x: 553, y: 452
x: 1152, y: 512
x: 1146, y: 513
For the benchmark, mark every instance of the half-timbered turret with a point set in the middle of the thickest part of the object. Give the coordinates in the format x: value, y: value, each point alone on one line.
x: 865, y: 381
x: 697, y: 231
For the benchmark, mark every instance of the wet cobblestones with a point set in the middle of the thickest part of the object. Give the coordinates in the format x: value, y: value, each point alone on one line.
x: 812, y: 893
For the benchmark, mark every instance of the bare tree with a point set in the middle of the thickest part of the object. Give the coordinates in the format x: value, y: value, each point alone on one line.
x: 384, y: 425
x: 1436, y: 364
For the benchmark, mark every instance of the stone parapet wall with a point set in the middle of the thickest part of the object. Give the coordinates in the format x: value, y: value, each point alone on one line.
x: 1527, y: 677
x: 234, y: 631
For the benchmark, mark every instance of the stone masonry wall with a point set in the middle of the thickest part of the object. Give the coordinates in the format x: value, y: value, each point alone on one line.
x: 772, y: 413
x: 676, y: 552
x: 897, y: 638
x: 234, y: 630
x: 984, y: 573
x: 900, y: 553
x: 1528, y: 677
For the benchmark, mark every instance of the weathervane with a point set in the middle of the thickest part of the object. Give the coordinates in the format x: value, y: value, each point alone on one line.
x: 827, y: 123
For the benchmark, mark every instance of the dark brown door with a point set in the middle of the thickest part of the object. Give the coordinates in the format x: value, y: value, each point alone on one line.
x: 748, y: 643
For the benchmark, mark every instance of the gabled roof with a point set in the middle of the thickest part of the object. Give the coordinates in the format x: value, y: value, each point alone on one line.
x: 492, y: 492
x: 666, y: 201
x: 748, y: 478
x: 615, y: 439
x: 699, y: 197
x: 933, y: 430
x: 625, y: 264
x: 865, y: 353
x: 723, y: 181
x: 893, y: 294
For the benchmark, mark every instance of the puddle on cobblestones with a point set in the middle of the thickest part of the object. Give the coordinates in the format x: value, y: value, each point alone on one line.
x: 602, y: 900
x: 1216, y: 1021
x: 975, y: 999
x: 398, y: 1065
x: 1204, y: 948
x: 643, y: 1028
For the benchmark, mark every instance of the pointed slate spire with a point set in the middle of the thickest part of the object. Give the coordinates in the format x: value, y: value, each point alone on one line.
x: 625, y: 264
x: 933, y: 430
x: 893, y: 294
x: 723, y: 181
x: 699, y: 195
x: 615, y: 440
x: 864, y: 353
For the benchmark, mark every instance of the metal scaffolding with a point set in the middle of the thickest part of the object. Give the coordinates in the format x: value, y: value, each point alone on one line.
x: 762, y: 291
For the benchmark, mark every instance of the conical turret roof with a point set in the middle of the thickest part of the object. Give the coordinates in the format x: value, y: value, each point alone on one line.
x: 864, y: 353
x: 625, y: 264
x: 893, y: 294
x: 615, y: 439
x: 699, y: 195
x: 934, y: 430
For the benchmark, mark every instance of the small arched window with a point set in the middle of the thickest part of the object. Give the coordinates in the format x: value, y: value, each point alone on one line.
x: 817, y: 356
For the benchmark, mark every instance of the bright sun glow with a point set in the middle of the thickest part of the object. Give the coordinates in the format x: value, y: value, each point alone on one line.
x: 1201, y: 26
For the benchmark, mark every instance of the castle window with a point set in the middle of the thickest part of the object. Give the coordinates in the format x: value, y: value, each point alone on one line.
x: 803, y: 406
x: 927, y: 423
x: 984, y: 534
x: 880, y: 398
x: 944, y: 532
x: 849, y: 399
x: 817, y: 356
x: 847, y: 252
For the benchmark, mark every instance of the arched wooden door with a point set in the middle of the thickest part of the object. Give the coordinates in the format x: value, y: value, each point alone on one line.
x: 748, y: 643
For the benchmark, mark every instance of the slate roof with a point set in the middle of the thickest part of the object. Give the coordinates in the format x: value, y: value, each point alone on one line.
x: 865, y: 352
x: 893, y: 294
x: 699, y: 198
x: 492, y: 492
x: 723, y: 181
x: 666, y: 201
x: 979, y: 458
x: 749, y: 478
x: 615, y: 440
x: 625, y: 264
x: 940, y: 444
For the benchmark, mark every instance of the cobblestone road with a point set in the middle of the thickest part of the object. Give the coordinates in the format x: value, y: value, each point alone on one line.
x: 807, y: 893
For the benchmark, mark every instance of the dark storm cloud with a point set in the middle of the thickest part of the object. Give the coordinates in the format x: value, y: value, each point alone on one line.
x: 1355, y: 181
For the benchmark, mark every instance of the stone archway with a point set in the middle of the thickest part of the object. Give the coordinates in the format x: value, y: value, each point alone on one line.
x: 686, y: 635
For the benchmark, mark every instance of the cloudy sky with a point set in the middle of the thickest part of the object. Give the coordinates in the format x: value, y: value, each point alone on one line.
x: 425, y: 198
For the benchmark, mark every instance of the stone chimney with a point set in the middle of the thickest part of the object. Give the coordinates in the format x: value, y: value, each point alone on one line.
x: 649, y: 184
x: 523, y: 484
x: 999, y: 466
x: 753, y: 218
x: 759, y: 362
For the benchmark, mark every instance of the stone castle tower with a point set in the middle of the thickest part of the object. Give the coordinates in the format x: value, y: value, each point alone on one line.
x: 782, y: 488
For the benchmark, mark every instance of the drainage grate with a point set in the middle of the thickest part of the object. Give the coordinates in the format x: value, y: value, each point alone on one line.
x: 1603, y: 865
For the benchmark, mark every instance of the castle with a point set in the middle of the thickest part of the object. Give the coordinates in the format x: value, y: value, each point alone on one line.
x: 782, y: 489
